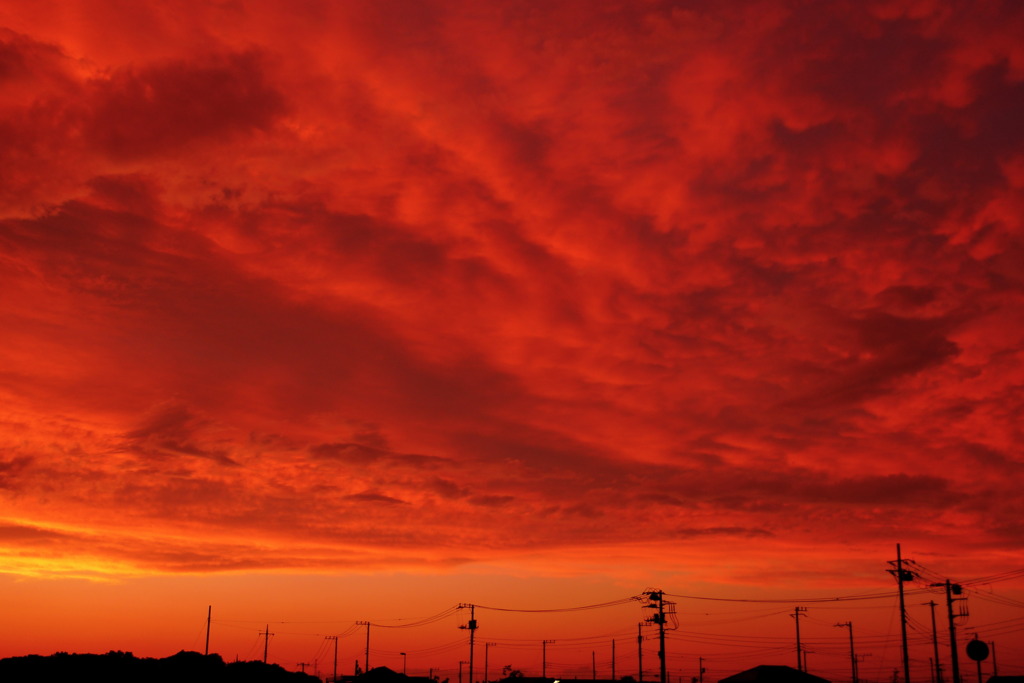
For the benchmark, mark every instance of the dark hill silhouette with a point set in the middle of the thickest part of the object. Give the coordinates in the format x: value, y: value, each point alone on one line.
x: 124, y: 667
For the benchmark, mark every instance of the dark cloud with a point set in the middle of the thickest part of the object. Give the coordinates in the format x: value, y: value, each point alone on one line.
x: 358, y: 454
x: 11, y: 469
x: 373, y: 498
x: 160, y: 108
x: 172, y: 431
x: 28, y: 535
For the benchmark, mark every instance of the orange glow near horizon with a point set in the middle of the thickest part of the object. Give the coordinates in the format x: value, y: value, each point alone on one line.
x: 358, y: 311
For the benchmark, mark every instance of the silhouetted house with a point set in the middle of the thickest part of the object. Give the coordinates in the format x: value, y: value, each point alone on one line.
x: 382, y: 674
x: 564, y: 679
x: 773, y: 674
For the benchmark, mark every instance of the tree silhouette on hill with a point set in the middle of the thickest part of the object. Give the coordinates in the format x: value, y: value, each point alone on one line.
x: 124, y: 667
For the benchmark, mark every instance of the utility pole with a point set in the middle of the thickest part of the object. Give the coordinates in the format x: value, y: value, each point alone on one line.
x: 471, y: 627
x: 544, y: 658
x: 334, y: 678
x: 266, y: 642
x: 613, y: 659
x: 593, y: 665
x: 639, y: 653
x: 995, y: 669
x: 951, y: 590
x: 797, y: 613
x: 461, y: 662
x: 487, y: 647
x: 366, y: 661
x: 700, y: 669
x: 302, y: 665
x: 657, y: 599
x: 209, y: 611
x: 403, y: 662
x: 853, y: 657
x: 935, y: 642
x: 902, y: 575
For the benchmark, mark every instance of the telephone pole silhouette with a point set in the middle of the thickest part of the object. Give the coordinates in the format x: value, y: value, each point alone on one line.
x: 266, y: 642
x: 797, y: 613
x: 657, y: 601
x: 471, y: 627
x: 209, y: 612
x: 853, y: 657
x: 334, y: 678
x: 487, y: 648
x: 902, y: 575
x: 544, y: 658
x: 639, y: 653
x: 951, y: 590
x: 366, y: 660
x: 935, y: 642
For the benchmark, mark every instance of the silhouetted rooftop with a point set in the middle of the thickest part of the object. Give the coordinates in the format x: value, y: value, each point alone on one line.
x: 383, y: 674
x: 773, y: 674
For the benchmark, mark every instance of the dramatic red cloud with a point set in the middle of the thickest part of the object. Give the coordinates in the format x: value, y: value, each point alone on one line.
x: 710, y: 294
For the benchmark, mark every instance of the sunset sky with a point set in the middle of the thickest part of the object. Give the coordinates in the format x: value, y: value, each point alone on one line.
x: 319, y: 312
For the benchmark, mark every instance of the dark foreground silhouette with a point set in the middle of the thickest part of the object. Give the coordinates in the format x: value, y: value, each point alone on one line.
x: 124, y: 667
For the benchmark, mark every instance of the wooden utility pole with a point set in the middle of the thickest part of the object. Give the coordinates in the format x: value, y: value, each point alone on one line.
x: 544, y: 658
x: 209, y: 612
x: 266, y: 642
x: 334, y: 678
x: 657, y: 600
x: 487, y: 647
x: 952, y: 588
x: 471, y: 627
x: 797, y: 613
x: 935, y: 642
x: 853, y: 656
x: 366, y: 660
x: 902, y: 576
x: 639, y: 653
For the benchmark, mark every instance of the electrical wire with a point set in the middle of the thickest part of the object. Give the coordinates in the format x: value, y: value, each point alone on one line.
x: 602, y: 605
x: 421, y: 622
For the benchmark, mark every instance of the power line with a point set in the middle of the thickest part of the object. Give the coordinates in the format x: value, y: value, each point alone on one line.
x: 614, y: 603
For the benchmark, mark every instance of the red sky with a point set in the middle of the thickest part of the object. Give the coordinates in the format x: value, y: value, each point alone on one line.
x: 334, y: 311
